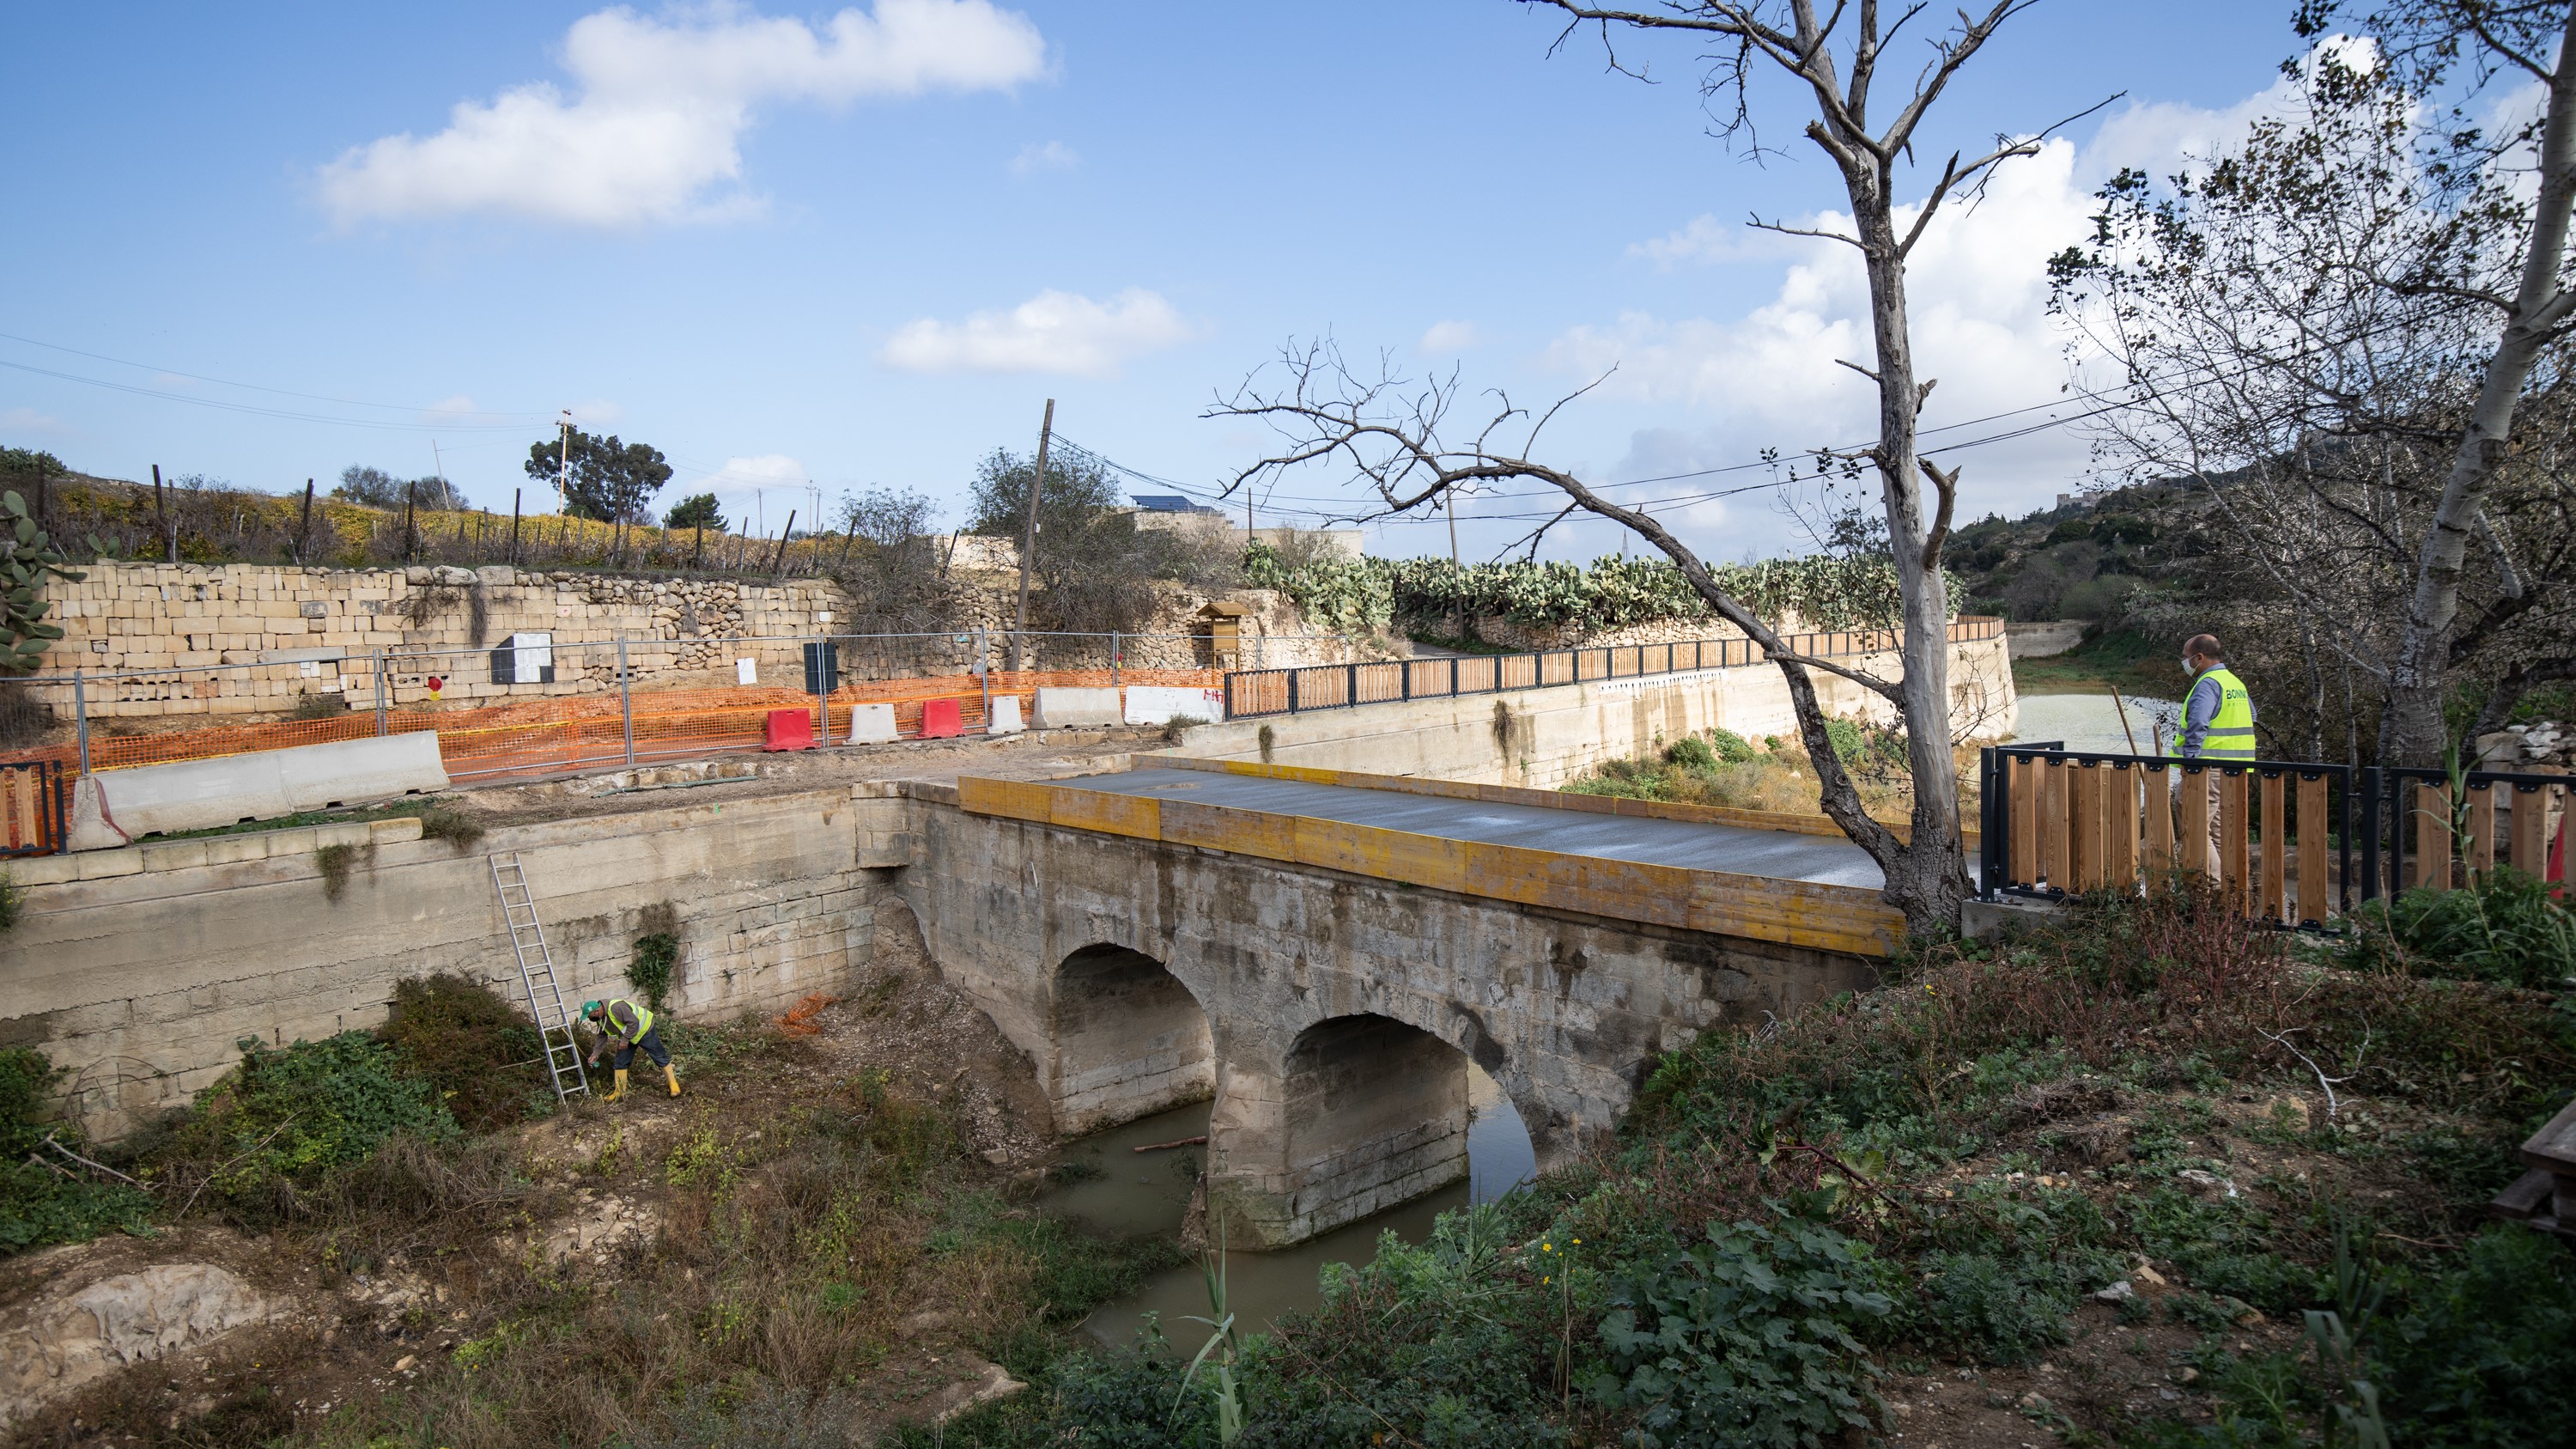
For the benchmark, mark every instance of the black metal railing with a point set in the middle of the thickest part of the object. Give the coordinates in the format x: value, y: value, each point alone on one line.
x: 1254, y: 693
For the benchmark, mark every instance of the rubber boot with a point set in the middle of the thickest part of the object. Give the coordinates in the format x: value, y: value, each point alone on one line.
x: 620, y: 1089
x: 672, y: 1076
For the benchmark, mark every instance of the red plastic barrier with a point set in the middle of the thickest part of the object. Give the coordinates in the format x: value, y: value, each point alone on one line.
x: 940, y: 720
x: 788, y: 729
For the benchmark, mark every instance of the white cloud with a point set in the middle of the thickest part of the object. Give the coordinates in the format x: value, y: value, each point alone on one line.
x: 661, y: 105
x: 28, y: 420
x: 1052, y: 332
x: 1707, y: 240
x: 1978, y: 295
x: 1053, y: 156
x: 1449, y: 336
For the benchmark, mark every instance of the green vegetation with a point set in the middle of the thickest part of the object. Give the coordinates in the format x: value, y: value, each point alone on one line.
x: 287, y: 1115
x: 1928, y: 1182
x: 45, y: 1195
x: 478, y: 1053
x: 1430, y: 596
x: 29, y: 560
x: 649, y: 969
x: 2125, y: 659
x: 1720, y: 767
x: 2504, y: 927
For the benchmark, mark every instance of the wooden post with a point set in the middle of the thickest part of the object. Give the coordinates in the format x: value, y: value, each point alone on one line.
x: 514, y: 525
x: 2025, y: 863
x: 2530, y: 848
x: 2195, y: 822
x: 2120, y: 828
x: 2276, y: 848
x: 2158, y: 782
x: 2053, y: 834
x: 2432, y: 835
x: 2480, y: 846
x: 2316, y: 846
x: 161, y: 505
x: 2235, y: 832
x: 780, y: 562
x: 411, y: 496
x: 304, y: 524
x: 698, y: 550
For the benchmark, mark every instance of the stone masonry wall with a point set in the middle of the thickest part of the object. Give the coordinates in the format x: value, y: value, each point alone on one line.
x: 139, y: 968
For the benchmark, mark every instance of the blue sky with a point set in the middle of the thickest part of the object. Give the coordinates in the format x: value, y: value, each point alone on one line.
x: 796, y: 255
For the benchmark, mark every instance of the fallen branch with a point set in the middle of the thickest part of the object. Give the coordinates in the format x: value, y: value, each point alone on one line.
x: 92, y: 1166
x: 1175, y: 1142
x: 2282, y: 1039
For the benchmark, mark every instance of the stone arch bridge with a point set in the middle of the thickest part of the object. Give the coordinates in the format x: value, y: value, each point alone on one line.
x: 1323, y: 953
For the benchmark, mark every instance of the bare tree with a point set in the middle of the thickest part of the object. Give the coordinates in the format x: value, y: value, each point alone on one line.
x: 1394, y: 439
x: 2428, y: 43
x: 2349, y: 331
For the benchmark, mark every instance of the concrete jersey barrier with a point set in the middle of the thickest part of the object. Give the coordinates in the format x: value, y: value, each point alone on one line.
x: 1066, y: 708
x: 111, y: 809
x: 1153, y: 704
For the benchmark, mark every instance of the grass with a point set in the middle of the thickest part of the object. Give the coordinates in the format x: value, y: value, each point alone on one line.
x: 2131, y: 662
x: 438, y: 821
x: 1719, y: 767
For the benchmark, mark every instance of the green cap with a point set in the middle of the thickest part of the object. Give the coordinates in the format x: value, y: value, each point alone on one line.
x: 588, y: 1007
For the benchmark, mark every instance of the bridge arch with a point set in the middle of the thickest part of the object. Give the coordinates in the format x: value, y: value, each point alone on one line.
x: 1353, y: 1114
x: 1127, y: 1039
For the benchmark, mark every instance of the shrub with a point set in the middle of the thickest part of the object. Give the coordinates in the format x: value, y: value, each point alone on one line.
x: 1848, y: 740
x: 460, y: 830
x: 285, y: 1115
x: 2503, y: 927
x: 1731, y: 747
x: 42, y: 1204
x: 12, y: 901
x: 1746, y: 1340
x: 472, y: 1047
x: 1691, y: 753
x: 2479, y: 1353
x: 319, y: 704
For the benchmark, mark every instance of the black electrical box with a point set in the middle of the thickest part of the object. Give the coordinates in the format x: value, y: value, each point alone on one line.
x: 822, y: 668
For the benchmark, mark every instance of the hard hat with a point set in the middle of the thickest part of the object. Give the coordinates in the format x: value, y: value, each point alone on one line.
x: 589, y: 1008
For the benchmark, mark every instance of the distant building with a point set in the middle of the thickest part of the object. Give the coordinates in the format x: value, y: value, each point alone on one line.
x: 1172, y: 510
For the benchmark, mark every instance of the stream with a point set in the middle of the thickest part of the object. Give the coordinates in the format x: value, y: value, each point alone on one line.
x: 1144, y: 1194
x: 2088, y: 722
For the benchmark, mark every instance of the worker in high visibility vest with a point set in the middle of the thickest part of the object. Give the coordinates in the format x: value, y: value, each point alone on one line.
x: 2217, y: 719
x: 628, y: 1026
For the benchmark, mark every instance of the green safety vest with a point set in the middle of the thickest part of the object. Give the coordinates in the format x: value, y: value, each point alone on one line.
x: 2230, y: 735
x: 643, y: 1020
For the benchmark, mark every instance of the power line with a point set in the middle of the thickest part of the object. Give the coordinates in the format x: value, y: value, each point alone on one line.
x: 225, y: 382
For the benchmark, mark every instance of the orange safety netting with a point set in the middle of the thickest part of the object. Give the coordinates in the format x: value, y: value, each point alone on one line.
x: 544, y: 736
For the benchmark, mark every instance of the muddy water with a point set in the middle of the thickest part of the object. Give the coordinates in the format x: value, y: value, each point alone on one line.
x: 1146, y: 1193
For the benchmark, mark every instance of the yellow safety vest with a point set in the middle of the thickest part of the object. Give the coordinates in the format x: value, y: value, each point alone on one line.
x: 2230, y: 735
x: 643, y: 1020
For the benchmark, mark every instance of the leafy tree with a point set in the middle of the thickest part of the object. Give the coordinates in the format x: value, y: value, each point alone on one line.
x: 28, y: 462
x: 698, y: 510
x: 890, y: 566
x: 1096, y: 566
x: 30, y: 558
x: 377, y: 488
x: 611, y: 481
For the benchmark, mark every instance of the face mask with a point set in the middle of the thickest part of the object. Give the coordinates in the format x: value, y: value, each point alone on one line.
x: 2187, y: 666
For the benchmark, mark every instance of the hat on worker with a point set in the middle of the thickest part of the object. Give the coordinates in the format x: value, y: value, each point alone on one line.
x: 590, y: 1008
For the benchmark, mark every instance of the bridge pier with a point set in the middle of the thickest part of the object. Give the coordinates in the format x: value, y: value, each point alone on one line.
x: 1359, y: 1114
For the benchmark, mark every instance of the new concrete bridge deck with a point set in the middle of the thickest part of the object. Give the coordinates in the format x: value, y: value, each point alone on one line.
x: 1689, y: 844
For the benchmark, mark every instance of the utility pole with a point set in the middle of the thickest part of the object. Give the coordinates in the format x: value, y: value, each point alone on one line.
x: 563, y: 475
x: 1449, y: 500
x: 1029, y: 533
x: 441, y: 463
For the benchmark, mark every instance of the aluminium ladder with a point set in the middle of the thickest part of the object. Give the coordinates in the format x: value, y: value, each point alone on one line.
x: 537, y: 975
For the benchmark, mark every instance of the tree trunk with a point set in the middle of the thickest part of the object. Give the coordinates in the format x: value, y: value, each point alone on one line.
x: 1926, y: 877
x: 2416, y: 733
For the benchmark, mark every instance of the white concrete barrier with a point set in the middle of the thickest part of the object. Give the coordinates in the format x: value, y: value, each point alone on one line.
x: 111, y: 809
x: 1066, y: 708
x: 1153, y: 704
x: 1005, y: 717
x: 872, y: 724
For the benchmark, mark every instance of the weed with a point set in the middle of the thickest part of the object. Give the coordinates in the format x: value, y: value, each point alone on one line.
x: 23, y: 717
x: 2503, y: 927
x: 319, y: 705
x: 13, y: 899
x: 478, y: 1051
x: 1269, y: 738
x: 649, y: 969
x: 335, y: 861
x: 461, y: 831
